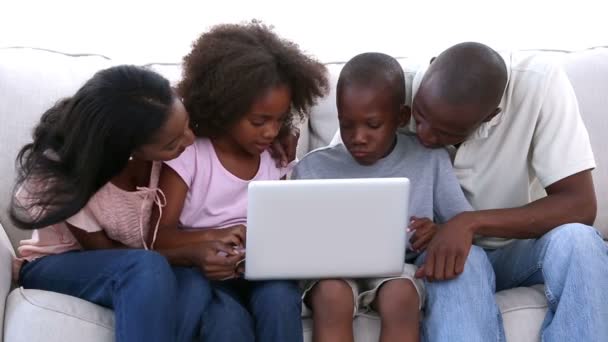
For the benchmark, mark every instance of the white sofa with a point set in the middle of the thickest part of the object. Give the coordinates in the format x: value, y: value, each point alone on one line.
x: 32, y: 79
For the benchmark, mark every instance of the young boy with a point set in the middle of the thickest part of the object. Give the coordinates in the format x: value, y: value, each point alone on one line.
x: 371, y: 107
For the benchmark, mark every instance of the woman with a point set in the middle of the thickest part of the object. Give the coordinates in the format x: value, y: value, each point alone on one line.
x: 87, y: 185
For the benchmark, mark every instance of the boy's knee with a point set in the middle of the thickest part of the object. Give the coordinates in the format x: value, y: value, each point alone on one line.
x: 398, y: 299
x: 332, y: 297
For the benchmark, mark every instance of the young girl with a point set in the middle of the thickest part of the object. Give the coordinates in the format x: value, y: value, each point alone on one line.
x: 87, y: 184
x: 241, y: 85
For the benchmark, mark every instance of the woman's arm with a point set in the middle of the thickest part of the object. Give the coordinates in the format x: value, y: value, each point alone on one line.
x: 217, y: 260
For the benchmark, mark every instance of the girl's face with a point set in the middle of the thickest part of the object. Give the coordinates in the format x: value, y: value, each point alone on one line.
x: 172, y: 138
x: 257, y: 129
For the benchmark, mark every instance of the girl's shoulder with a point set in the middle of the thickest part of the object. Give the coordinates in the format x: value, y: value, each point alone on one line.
x: 270, y: 170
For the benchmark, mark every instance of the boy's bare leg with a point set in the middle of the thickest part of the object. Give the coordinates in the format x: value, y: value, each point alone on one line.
x: 332, y: 306
x: 397, y: 303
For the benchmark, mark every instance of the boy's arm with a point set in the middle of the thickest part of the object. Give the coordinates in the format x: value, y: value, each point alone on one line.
x: 443, y: 260
x: 448, y: 198
x: 302, y: 170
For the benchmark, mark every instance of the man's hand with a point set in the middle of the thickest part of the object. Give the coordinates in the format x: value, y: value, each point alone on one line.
x: 283, y: 149
x: 217, y: 260
x: 447, y: 252
x: 423, y: 231
x: 234, y: 235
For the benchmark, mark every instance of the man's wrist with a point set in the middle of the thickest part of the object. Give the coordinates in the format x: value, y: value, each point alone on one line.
x: 473, y: 221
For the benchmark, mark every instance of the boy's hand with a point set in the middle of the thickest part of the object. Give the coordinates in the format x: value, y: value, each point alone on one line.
x: 283, y: 149
x: 217, y: 260
x: 447, y: 252
x: 423, y: 231
x: 234, y: 235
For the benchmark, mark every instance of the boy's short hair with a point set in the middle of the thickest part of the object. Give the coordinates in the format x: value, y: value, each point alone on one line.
x: 374, y: 70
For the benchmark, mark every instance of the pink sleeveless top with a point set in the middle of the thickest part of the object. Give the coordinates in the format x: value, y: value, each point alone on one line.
x: 123, y: 215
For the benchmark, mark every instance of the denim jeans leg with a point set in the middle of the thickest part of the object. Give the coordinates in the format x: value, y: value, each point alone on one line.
x: 276, y: 307
x: 138, y: 285
x: 463, y: 309
x: 572, y: 262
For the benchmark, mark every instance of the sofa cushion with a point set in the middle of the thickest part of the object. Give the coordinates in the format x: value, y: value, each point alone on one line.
x: 34, y: 315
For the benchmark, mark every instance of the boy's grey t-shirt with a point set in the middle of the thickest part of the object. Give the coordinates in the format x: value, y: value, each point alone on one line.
x: 435, y: 191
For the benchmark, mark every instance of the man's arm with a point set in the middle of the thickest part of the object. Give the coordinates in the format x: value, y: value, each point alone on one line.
x: 569, y: 200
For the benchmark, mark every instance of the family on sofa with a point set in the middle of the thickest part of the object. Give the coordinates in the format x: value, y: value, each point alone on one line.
x: 137, y: 193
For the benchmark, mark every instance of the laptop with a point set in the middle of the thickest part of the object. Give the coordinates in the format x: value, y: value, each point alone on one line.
x: 314, y: 229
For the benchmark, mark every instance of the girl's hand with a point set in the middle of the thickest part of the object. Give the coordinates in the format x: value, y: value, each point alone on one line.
x: 234, y: 235
x: 424, y: 230
x: 217, y: 260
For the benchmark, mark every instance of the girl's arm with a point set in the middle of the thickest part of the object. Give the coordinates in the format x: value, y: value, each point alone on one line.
x: 169, y: 236
x: 204, y: 255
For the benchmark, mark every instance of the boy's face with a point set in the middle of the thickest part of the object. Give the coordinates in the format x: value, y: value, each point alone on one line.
x: 369, y: 119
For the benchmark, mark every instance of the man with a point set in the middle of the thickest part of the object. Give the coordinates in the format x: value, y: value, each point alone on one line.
x: 513, y: 125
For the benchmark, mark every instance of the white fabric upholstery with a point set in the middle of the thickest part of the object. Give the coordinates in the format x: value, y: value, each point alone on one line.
x: 6, y: 255
x: 588, y: 73
x: 34, y: 315
x: 31, y: 80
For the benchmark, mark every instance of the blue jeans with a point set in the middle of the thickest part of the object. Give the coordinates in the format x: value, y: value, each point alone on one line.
x: 572, y: 262
x: 152, y: 301
x: 243, y: 311
x: 463, y: 309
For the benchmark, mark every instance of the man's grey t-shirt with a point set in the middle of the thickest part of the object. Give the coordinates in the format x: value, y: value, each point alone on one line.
x: 435, y: 191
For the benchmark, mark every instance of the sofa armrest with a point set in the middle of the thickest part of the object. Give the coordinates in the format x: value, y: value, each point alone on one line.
x: 6, y: 264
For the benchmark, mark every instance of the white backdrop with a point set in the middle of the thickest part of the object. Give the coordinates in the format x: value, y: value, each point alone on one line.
x: 162, y: 31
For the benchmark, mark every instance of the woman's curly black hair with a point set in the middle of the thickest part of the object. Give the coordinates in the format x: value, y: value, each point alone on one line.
x: 232, y: 65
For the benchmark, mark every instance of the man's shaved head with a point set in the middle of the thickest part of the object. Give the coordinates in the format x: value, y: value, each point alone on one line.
x: 461, y: 89
x: 468, y: 73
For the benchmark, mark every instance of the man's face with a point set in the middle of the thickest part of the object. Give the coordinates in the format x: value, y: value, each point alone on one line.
x: 369, y: 119
x: 439, y: 123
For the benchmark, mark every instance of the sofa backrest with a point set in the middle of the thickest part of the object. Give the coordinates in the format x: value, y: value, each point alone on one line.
x: 31, y: 80
x: 588, y: 73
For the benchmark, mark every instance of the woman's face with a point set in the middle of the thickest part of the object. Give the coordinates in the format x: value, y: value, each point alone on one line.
x: 172, y: 138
